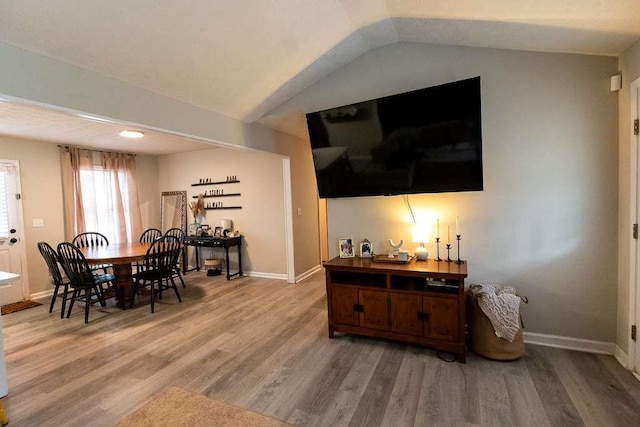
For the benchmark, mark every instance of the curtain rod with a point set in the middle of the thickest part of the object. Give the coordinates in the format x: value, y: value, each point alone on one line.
x: 97, y: 151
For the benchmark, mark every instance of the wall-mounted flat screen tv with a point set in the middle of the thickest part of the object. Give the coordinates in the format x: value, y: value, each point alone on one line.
x: 424, y: 141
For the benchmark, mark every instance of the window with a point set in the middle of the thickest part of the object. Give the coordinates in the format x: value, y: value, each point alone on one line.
x: 101, y: 197
x: 101, y: 194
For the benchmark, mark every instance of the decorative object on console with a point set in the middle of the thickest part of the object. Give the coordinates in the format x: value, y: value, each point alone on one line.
x: 458, y: 238
x: 345, y: 246
x: 421, y: 236
x: 448, y: 244
x: 226, y: 224
x: 366, y: 249
x: 395, y: 247
x: 197, y: 207
x: 394, y: 260
x: 438, y: 240
x: 193, y: 228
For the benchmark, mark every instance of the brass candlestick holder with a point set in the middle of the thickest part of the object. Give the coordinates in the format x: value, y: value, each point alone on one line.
x: 458, y: 238
x: 438, y: 249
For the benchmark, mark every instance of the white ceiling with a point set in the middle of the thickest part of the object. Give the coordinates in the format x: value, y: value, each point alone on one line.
x: 243, y: 59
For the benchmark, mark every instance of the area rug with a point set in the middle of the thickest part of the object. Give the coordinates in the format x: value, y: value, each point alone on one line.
x: 179, y: 407
x: 18, y: 306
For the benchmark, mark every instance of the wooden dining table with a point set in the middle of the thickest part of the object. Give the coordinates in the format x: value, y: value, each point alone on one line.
x: 121, y: 256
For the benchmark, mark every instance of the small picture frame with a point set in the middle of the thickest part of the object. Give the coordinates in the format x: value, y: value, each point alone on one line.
x: 199, y: 231
x: 345, y: 246
x: 366, y: 249
x: 217, y: 232
x: 193, y: 228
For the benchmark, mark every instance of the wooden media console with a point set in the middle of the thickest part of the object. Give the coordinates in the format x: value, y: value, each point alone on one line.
x: 420, y: 302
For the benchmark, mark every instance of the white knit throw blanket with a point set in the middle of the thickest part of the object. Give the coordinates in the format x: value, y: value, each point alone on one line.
x: 501, y: 305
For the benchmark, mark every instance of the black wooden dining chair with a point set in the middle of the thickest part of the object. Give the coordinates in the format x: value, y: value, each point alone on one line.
x: 86, y: 285
x: 156, y: 270
x: 179, y: 234
x: 57, y: 280
x: 149, y: 235
x: 92, y: 239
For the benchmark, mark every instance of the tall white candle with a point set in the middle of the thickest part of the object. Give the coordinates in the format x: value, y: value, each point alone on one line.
x: 457, y: 226
x: 448, y: 233
x: 438, y: 228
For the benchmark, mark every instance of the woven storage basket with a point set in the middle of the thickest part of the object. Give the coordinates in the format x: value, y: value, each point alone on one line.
x: 483, y: 337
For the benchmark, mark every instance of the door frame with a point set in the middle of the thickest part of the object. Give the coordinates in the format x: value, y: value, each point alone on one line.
x: 24, y: 276
x: 634, y: 292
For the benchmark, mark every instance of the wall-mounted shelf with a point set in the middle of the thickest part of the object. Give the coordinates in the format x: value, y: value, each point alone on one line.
x: 218, y: 195
x: 215, y: 183
x: 224, y: 207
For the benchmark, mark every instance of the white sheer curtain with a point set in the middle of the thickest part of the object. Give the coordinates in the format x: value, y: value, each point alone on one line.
x: 100, y: 194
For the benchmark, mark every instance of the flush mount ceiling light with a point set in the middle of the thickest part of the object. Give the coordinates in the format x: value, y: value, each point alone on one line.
x: 131, y: 133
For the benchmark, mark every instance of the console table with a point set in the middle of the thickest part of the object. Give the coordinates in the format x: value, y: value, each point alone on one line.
x: 216, y: 242
x: 420, y: 302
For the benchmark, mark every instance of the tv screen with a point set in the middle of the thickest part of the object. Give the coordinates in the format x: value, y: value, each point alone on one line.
x: 424, y: 141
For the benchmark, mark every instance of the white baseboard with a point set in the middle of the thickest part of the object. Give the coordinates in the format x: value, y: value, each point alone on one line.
x: 279, y: 276
x: 308, y: 273
x: 621, y: 357
x: 569, y: 343
x: 41, y: 295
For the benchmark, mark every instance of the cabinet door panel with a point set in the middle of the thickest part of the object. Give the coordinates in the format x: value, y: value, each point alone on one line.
x: 406, y: 313
x: 442, y: 321
x: 375, y: 309
x: 342, y: 302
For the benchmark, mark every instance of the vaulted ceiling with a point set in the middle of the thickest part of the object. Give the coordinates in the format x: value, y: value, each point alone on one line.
x: 243, y: 59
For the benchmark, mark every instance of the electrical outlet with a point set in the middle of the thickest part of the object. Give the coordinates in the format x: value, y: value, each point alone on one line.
x: 299, y: 211
x: 38, y: 222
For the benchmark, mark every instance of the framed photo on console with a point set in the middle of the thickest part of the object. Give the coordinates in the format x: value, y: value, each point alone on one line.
x: 192, y: 229
x: 366, y: 249
x: 345, y: 246
x: 217, y: 232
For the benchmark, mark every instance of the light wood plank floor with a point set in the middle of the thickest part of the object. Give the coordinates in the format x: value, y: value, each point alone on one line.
x: 262, y: 344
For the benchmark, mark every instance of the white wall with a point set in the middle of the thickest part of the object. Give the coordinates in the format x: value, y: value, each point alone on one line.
x: 261, y: 219
x: 546, y: 221
x: 148, y: 191
x: 629, y: 65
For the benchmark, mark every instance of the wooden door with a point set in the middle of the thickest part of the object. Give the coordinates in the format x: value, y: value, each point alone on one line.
x: 374, y: 309
x: 441, y: 320
x: 343, y: 303
x: 407, y: 314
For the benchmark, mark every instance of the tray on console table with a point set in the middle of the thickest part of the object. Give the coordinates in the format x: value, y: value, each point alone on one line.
x: 395, y: 301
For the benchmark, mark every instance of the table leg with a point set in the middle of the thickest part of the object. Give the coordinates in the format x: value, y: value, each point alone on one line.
x: 226, y: 250
x: 240, y: 256
x: 124, y: 283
